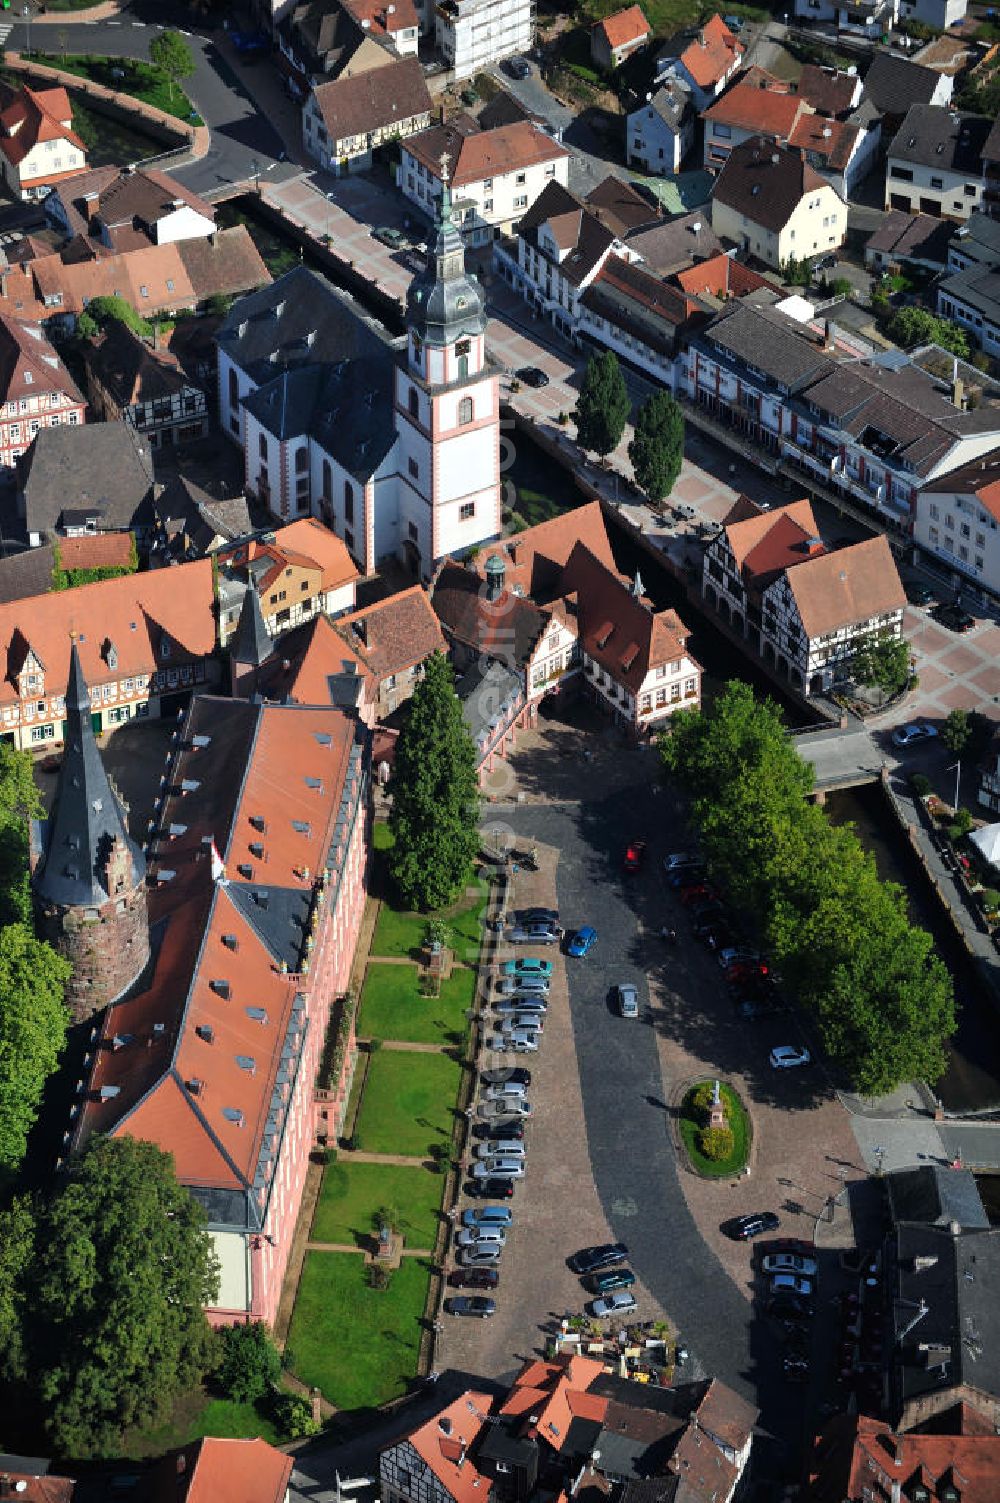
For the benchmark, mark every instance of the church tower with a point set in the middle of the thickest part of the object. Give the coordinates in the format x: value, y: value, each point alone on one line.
x: 447, y: 409
x: 88, y: 875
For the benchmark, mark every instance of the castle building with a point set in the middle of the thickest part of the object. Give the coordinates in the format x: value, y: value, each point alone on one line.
x: 393, y: 443
x: 88, y: 874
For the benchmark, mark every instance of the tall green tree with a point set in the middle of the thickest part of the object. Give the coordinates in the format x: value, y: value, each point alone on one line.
x: 19, y: 803
x: 250, y: 1365
x: 956, y: 733
x: 657, y: 450
x: 170, y: 52
x: 115, y: 1327
x: 435, y: 810
x: 18, y: 1251
x: 33, y: 1022
x: 912, y: 326
x: 101, y: 311
x: 603, y: 406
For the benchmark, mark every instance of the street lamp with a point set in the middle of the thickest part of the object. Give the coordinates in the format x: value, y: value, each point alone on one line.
x: 255, y: 173
x: 27, y: 22
x: 879, y: 1153
x: 956, y: 767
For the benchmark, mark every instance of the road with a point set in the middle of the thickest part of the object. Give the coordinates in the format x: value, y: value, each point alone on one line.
x: 240, y: 131
x: 591, y: 163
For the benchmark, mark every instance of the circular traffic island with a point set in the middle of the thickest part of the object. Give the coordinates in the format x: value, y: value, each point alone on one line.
x: 714, y: 1129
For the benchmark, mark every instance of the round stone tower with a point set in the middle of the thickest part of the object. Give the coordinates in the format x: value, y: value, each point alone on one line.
x: 88, y: 875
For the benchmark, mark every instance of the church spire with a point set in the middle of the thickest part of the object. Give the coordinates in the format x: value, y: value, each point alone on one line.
x: 87, y: 854
x: 445, y: 302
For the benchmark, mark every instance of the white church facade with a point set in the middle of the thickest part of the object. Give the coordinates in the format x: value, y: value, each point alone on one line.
x: 393, y: 443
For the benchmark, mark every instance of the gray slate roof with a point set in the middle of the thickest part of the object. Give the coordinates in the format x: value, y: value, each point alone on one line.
x: 99, y: 467
x: 894, y: 83
x: 932, y: 136
x: 935, y: 1197
x: 251, y: 642
x: 346, y: 407
x: 978, y: 239
x: 87, y: 816
x: 979, y: 287
x: 770, y: 341
x: 301, y: 319
x: 676, y: 243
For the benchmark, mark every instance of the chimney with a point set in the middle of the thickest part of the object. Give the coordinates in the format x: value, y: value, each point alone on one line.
x: 701, y: 39
x: 828, y: 340
x: 958, y: 394
x: 495, y: 575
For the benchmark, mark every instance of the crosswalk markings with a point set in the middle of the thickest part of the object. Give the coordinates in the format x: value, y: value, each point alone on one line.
x: 6, y: 27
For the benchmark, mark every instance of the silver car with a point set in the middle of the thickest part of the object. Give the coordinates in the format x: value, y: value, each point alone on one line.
x: 491, y: 1111
x: 475, y: 1236
x: 628, y: 1000
x: 482, y: 1255
x: 518, y: 1041
x: 524, y: 985
x: 620, y: 1303
x: 534, y: 934
x: 492, y: 1147
x: 508, y: 1091
x: 523, y: 1022
x: 499, y: 1166
x: 531, y: 1002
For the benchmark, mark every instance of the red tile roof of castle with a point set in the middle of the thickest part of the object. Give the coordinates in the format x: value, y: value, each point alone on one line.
x: 156, y: 620
x: 625, y: 27
x: 222, y: 1471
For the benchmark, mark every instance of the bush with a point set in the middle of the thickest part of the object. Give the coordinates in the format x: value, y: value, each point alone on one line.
x: 378, y: 1276
x: 920, y: 784
x: 990, y: 899
x: 701, y: 1101
x: 960, y: 825
x: 716, y: 1143
x: 293, y: 1416
x: 251, y: 1364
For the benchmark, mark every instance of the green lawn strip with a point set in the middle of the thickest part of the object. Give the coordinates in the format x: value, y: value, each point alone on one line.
x: 382, y: 836
x: 398, y: 933
x: 736, y: 1118
x: 195, y: 1414
x: 232, y: 1421
x: 392, y: 1007
x: 358, y: 1345
x: 408, y: 1103
x: 142, y: 81
x: 352, y: 1194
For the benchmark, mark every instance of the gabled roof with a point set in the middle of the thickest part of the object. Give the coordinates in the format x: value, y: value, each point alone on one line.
x: 30, y: 572
x: 509, y: 627
x: 753, y: 106
x: 306, y: 542
x: 918, y: 236
x: 159, y: 619
x: 674, y: 244
x: 765, y: 182
x: 374, y: 100
x: 106, y: 468
x: 31, y: 1482
x: 766, y: 543
x: 477, y: 154
x: 827, y: 90
x: 932, y: 136
x: 345, y: 406
x: 392, y: 634
x: 619, y: 631
x: 217, y: 1029
x: 832, y: 141
x: 29, y: 364
x: 130, y: 370
x: 856, y: 1454
x: 621, y: 206
x: 214, y: 1470
x: 846, y: 588
x: 534, y: 560
x: 135, y: 197
x: 575, y: 228
x: 443, y: 1441
x: 893, y: 83
x: 770, y: 341
x: 36, y: 115
x: 712, y: 52
x: 624, y: 27
x: 721, y: 276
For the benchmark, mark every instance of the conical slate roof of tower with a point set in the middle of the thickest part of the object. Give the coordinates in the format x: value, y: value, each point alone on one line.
x: 86, y: 818
x: 251, y: 643
x: 445, y: 301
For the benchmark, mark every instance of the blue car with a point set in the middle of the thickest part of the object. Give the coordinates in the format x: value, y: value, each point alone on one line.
x: 529, y: 966
x: 582, y: 942
x: 488, y: 1216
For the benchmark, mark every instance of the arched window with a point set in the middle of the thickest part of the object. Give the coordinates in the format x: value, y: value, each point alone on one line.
x: 414, y: 402
x: 301, y: 460
x: 327, y: 480
x: 465, y: 410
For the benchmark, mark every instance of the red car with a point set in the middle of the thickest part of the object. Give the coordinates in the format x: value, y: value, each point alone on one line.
x: 747, y: 970
x: 704, y: 892
x: 474, y: 1278
x: 635, y: 855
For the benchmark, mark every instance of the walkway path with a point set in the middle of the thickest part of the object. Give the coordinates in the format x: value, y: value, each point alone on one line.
x: 352, y: 1247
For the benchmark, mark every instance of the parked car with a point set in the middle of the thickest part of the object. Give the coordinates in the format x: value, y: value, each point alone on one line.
x: 518, y: 67
x: 518, y: 1041
x: 492, y: 1189
x: 696, y: 893
x: 754, y: 1225
x: 484, y: 1253
x: 614, y: 1305
x: 488, y: 1216
x: 917, y: 593
x: 474, y: 1278
x: 505, y: 1165
x: 788, y: 1262
x: 593, y: 1259
x: 476, y: 1305
x: 531, y: 375
x: 752, y: 1008
x: 747, y: 972
x: 917, y: 730
x: 679, y: 860
x: 686, y: 876
x: 615, y: 1278
x: 791, y: 1283
x: 522, y: 1003
x: 951, y: 615
x: 507, y: 1072
x: 529, y: 966
x: 522, y: 1022
x: 790, y: 1307
x: 506, y: 1091
x: 491, y: 1147
x: 391, y: 237
x: 471, y: 1236
x: 525, y: 983
x: 627, y: 997
x: 488, y: 1110
x: 789, y: 1057
x: 534, y: 934
x: 635, y: 855
x: 539, y: 915
x: 738, y: 955
x: 506, y: 1132
x: 582, y: 942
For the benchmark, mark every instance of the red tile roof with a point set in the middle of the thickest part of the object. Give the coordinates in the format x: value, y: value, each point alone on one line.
x: 712, y: 54
x: 222, y: 1471
x: 377, y: 16
x: 102, y: 550
x: 443, y: 1446
x: 486, y: 153
x: 207, y: 1034
x: 989, y: 497
x: 534, y: 559
x: 35, y: 115
x: 30, y: 1487
x: 858, y: 1457
x: 135, y: 612
x: 306, y: 543
x: 30, y: 366
x: 847, y: 587
x: 746, y: 534
x: 722, y: 276
x: 772, y: 112
x: 624, y: 27
x: 620, y: 632
x: 833, y: 140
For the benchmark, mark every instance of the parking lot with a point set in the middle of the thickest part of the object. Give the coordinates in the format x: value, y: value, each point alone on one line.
x: 602, y: 1164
